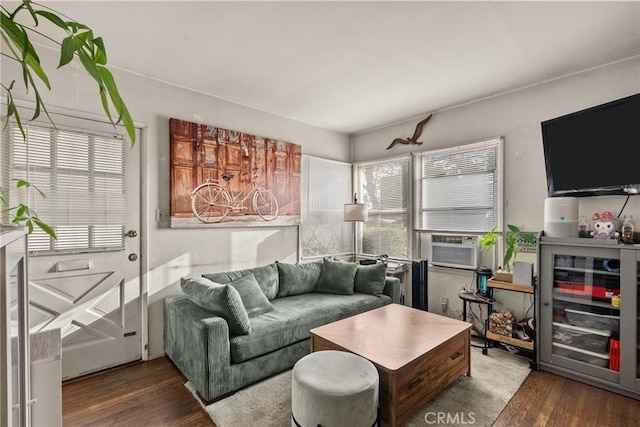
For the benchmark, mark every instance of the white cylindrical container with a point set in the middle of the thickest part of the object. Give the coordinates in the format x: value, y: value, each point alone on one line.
x: 561, y: 216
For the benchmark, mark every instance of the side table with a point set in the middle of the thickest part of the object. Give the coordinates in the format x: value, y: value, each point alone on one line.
x: 398, y: 270
x: 470, y: 298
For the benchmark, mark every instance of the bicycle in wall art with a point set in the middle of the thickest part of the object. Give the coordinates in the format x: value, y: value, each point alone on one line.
x: 211, y: 201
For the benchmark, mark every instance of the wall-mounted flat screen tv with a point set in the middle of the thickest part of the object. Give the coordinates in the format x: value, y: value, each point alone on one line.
x: 594, y: 152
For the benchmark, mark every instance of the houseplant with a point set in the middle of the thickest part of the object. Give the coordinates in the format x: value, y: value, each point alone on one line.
x: 77, y: 41
x: 512, y: 247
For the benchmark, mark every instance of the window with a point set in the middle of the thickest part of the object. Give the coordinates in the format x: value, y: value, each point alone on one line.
x: 83, y: 177
x: 459, y: 189
x: 385, y: 190
x: 326, y: 187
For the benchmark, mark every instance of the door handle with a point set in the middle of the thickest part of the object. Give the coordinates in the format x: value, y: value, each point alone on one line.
x: 131, y: 233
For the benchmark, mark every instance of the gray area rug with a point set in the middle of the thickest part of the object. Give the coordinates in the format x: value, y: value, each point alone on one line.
x: 475, y: 400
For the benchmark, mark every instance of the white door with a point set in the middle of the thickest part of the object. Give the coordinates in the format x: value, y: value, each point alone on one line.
x: 87, y: 282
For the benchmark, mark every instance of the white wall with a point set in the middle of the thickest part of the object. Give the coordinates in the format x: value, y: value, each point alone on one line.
x: 176, y: 252
x: 516, y: 116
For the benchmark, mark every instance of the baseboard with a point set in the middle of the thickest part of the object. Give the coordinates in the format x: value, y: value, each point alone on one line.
x: 156, y: 355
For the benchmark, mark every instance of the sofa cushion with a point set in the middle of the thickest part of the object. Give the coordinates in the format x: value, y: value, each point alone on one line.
x: 296, y: 279
x: 337, y: 277
x: 266, y: 276
x: 252, y: 297
x: 294, y: 316
x: 370, y: 279
x: 222, y: 300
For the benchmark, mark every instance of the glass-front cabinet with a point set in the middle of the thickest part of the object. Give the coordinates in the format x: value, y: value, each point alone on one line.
x: 588, y: 312
x: 14, y: 334
x: 632, y: 350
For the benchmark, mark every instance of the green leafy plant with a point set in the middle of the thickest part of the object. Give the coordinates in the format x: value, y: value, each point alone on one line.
x: 77, y: 40
x: 23, y: 213
x: 511, y: 243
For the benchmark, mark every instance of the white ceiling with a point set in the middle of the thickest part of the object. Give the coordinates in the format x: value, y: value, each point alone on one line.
x: 354, y: 66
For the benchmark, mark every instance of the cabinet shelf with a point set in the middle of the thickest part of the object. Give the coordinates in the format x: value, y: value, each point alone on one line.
x: 559, y: 296
x: 587, y: 270
x: 508, y: 340
x: 510, y: 286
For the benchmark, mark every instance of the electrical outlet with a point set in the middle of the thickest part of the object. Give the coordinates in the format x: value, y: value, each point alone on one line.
x: 445, y: 303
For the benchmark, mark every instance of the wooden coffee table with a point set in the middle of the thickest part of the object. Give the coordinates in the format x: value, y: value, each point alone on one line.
x: 417, y: 353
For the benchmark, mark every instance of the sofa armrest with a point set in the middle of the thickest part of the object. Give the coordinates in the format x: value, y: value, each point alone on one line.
x: 392, y: 289
x: 197, y: 341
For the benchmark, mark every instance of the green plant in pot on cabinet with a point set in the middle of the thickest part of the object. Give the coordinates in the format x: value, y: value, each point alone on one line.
x: 512, y: 247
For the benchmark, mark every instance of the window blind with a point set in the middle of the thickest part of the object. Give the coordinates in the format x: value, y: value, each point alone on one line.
x: 384, y: 187
x: 83, y: 177
x: 326, y: 187
x: 459, y: 189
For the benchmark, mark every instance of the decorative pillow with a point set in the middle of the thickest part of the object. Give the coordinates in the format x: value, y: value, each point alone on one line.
x: 296, y: 279
x: 266, y: 276
x: 222, y: 300
x: 370, y: 279
x: 251, y: 295
x: 337, y: 277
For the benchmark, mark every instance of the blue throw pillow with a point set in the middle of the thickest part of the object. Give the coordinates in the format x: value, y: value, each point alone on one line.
x: 337, y: 277
x: 222, y: 300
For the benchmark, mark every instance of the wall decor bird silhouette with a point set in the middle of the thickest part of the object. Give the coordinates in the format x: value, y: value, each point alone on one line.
x: 414, y: 138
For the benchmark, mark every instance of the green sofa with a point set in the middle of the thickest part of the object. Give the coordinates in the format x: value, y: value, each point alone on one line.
x: 298, y: 298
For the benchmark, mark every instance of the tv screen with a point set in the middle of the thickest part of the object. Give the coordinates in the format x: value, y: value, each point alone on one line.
x: 593, y: 152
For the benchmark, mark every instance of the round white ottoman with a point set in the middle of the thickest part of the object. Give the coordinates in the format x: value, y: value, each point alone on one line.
x: 334, y: 389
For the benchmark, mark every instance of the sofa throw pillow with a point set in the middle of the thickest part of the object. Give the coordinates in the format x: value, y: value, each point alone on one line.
x: 370, y: 279
x: 251, y: 295
x: 337, y: 277
x: 266, y: 276
x: 296, y: 279
x: 222, y: 300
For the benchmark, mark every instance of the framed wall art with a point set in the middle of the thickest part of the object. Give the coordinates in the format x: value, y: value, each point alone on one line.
x: 226, y: 178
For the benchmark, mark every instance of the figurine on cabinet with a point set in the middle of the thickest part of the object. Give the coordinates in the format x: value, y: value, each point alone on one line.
x: 605, y: 226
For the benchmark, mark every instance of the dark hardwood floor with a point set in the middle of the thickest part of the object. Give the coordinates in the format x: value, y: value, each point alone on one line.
x: 144, y: 394
x: 152, y: 394
x: 545, y: 399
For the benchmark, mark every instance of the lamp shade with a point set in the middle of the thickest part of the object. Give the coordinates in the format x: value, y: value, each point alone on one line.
x: 355, y: 212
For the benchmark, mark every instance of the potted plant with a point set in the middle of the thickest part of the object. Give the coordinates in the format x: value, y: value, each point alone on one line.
x: 503, y: 272
x: 74, y: 40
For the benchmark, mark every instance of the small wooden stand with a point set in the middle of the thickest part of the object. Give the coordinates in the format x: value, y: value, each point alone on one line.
x: 528, y: 345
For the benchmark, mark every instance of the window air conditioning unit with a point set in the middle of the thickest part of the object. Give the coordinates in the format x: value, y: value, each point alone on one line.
x: 454, y: 250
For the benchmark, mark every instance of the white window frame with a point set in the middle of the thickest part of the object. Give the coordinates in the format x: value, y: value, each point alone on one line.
x: 38, y: 239
x: 335, y: 207
x: 498, y: 186
x: 372, y: 212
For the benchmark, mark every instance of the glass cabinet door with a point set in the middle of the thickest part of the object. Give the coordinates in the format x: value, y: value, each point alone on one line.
x: 16, y: 357
x: 637, y: 334
x: 14, y: 349
x: 585, y: 293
